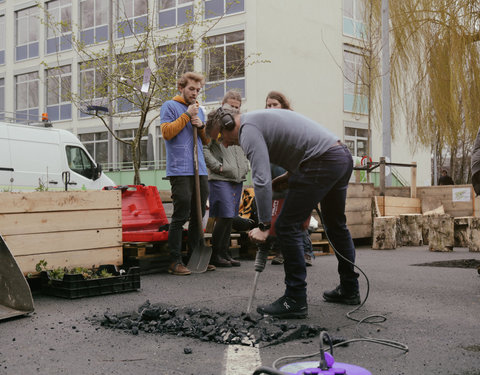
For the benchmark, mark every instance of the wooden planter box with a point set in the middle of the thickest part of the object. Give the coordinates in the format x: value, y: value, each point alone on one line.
x: 67, y: 229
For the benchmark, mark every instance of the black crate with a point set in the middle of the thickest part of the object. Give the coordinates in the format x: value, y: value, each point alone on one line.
x: 76, y: 286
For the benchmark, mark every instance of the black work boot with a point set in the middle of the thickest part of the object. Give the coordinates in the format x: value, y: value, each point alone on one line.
x: 234, y: 262
x: 339, y: 295
x: 219, y: 261
x: 285, y: 308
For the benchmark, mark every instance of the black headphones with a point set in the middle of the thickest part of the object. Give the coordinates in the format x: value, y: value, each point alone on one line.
x: 227, y: 121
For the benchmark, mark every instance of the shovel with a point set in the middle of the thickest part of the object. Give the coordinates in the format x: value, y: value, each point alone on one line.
x: 200, y: 256
x: 15, y: 296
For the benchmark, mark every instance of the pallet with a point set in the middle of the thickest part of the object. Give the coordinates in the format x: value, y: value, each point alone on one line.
x: 320, y: 244
x: 149, y: 256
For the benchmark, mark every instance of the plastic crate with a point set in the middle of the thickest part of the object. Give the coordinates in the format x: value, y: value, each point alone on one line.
x: 76, y: 286
x: 143, y: 215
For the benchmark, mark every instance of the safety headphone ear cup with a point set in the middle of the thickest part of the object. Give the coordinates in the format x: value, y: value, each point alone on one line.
x: 226, y: 119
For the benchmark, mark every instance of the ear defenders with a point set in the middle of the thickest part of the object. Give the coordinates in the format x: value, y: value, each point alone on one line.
x: 227, y: 120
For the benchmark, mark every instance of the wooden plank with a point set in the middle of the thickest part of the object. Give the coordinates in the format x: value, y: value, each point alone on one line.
x: 360, y: 230
x: 380, y: 204
x: 82, y: 258
x: 165, y: 196
x: 359, y: 217
x: 40, y: 222
x: 358, y: 204
x: 356, y: 190
x: 63, y: 241
x: 399, y: 205
x: 60, y: 201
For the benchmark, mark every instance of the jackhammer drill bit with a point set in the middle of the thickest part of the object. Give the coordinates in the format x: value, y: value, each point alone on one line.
x: 259, y: 266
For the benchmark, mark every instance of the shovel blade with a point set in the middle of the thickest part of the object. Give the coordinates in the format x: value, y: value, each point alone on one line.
x: 200, y: 259
x: 15, y: 295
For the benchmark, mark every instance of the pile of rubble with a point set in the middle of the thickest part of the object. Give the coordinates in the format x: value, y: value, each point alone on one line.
x: 219, y: 327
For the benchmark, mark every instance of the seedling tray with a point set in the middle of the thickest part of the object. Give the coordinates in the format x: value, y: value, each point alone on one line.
x: 76, y: 286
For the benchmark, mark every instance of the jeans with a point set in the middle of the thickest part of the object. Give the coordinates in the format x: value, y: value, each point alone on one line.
x: 185, y: 209
x: 323, y: 180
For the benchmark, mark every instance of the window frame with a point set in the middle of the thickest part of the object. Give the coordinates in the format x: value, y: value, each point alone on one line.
x: 179, y: 8
x: 3, y: 39
x: 30, y: 111
x: 63, y: 81
x: 98, y: 32
x: 136, y: 23
x: 93, y: 145
x: 225, y: 83
x: 30, y: 25
x: 123, y: 149
x: 62, y: 42
x: 353, y: 102
x: 229, y: 8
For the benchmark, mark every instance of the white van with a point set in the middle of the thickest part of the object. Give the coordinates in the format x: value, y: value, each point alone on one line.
x: 44, y: 158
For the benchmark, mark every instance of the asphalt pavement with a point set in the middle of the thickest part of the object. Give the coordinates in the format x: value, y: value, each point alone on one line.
x: 435, y: 311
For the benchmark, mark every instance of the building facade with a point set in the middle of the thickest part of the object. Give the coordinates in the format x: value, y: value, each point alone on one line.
x: 310, y: 50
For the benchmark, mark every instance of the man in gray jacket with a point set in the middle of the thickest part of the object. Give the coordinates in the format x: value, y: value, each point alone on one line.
x: 318, y: 168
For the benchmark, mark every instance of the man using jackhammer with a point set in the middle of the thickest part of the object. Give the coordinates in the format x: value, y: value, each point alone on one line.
x: 318, y: 168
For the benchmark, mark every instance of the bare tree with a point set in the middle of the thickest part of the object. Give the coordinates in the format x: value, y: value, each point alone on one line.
x: 136, y: 72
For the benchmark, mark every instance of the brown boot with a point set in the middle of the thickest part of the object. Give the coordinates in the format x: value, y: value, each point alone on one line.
x: 177, y: 268
x: 219, y: 261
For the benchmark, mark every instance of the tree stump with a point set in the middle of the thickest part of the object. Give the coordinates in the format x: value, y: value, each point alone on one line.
x: 410, y: 230
x: 460, y: 226
x: 473, y: 234
x: 440, y: 233
x: 385, y: 233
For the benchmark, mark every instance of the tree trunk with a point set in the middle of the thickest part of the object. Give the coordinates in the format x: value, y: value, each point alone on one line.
x: 385, y: 233
x: 473, y: 234
x: 410, y: 230
x: 460, y: 226
x: 440, y: 233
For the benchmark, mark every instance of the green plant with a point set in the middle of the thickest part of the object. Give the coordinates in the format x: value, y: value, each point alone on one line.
x: 59, y: 272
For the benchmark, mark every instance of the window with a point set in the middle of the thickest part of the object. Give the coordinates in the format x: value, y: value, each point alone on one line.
x: 224, y: 65
x: 94, y: 21
x: 96, y: 145
x: 174, y: 12
x: 132, y: 17
x: 59, y: 84
x: 59, y: 33
x: 216, y: 8
x: 27, y: 31
x: 93, y: 87
x: 132, y: 66
x: 2, y: 40
x: 356, y: 138
x: 124, y: 150
x: 79, y: 162
x: 176, y: 58
x: 353, y: 25
x: 26, y: 97
x: 2, y: 98
x: 352, y: 100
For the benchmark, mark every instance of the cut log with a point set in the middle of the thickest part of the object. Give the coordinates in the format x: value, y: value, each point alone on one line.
x: 440, y: 233
x: 473, y: 234
x: 460, y: 225
x: 410, y: 230
x: 385, y: 233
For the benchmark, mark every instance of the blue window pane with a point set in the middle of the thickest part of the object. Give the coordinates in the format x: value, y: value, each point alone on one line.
x: 102, y: 33
x: 140, y: 24
x: 348, y: 102
x: 33, y: 115
x: 166, y: 19
x: 234, y: 6
x: 237, y: 85
x: 2, y: 57
x: 65, y: 111
x: 53, y: 112
x: 66, y: 42
x: 124, y: 105
x: 87, y: 36
x: 52, y: 45
x: 214, y: 93
x: 33, y: 50
x: 213, y: 8
x: 21, y: 53
x: 21, y: 116
x: 185, y: 14
x: 124, y: 29
x: 348, y: 28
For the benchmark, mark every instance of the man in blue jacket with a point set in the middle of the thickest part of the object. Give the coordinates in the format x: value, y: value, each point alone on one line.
x: 178, y: 117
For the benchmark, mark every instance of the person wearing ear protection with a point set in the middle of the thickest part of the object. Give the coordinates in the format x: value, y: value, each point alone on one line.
x: 227, y: 168
x: 318, y: 169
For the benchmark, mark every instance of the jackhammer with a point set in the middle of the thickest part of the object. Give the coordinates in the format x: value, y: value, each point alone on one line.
x: 259, y: 266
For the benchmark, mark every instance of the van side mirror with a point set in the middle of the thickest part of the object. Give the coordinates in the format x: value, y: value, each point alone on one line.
x: 97, y: 172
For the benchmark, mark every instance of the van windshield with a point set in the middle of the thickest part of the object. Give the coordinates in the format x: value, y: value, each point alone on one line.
x: 79, y: 162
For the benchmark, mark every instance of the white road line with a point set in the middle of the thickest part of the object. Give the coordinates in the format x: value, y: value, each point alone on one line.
x: 241, y: 360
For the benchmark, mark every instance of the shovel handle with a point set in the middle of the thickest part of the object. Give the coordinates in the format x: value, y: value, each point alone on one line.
x: 197, y: 181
